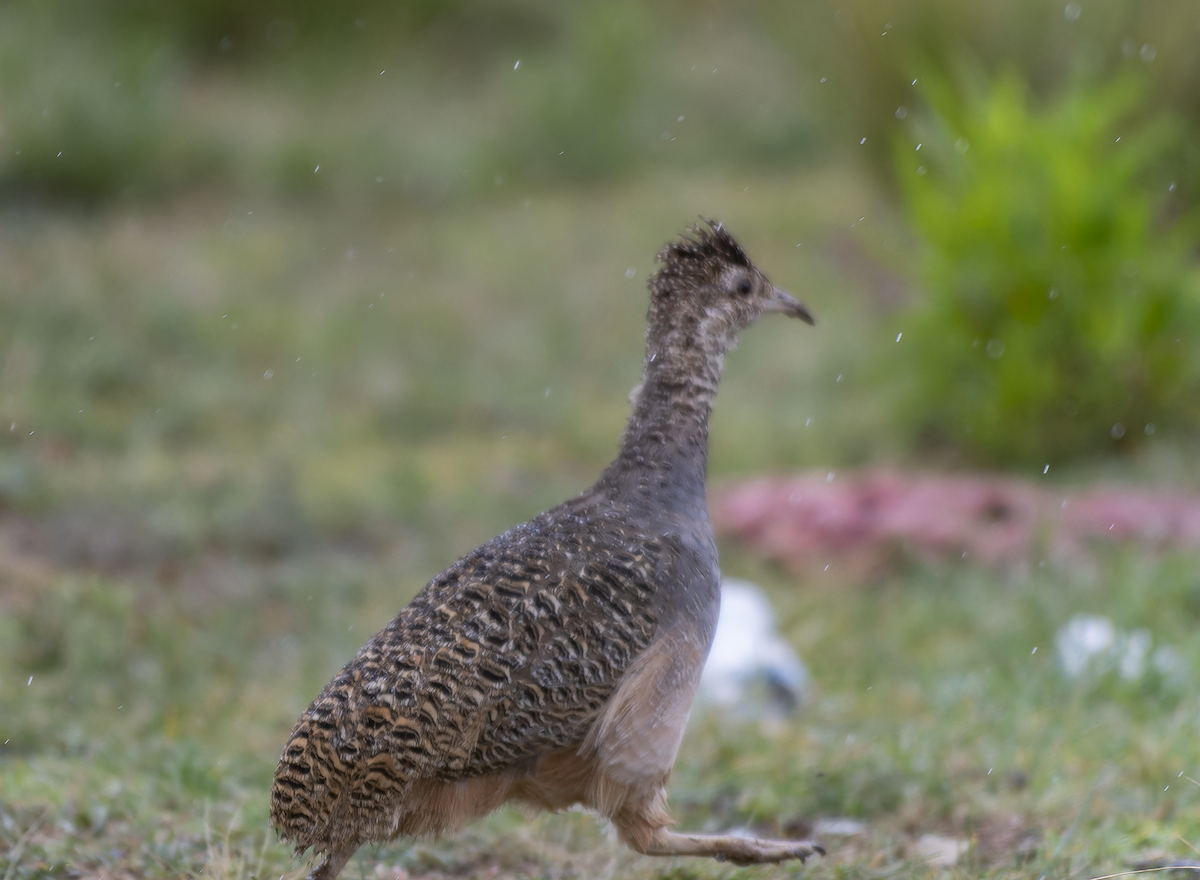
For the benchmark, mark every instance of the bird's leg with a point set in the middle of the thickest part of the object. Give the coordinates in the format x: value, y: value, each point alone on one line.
x: 335, y: 860
x: 643, y: 826
x: 725, y: 847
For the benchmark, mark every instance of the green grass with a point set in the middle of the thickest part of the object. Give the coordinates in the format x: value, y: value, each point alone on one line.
x: 145, y: 741
x: 205, y: 547
x: 249, y: 421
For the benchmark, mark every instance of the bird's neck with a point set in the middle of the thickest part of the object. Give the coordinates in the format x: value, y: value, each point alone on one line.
x: 664, y: 450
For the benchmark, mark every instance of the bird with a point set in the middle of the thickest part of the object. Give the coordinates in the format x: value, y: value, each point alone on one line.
x: 555, y: 665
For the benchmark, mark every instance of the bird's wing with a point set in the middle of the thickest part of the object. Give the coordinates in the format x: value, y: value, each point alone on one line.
x: 508, y: 654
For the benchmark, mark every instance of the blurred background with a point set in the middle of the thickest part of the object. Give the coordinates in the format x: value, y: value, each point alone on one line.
x: 300, y: 301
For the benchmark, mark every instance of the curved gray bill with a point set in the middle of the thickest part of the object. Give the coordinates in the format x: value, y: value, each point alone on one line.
x: 786, y: 304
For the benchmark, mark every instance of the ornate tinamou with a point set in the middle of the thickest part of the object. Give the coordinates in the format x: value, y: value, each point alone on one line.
x: 556, y: 664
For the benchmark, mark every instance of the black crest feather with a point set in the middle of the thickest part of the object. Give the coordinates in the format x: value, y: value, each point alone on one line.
x: 703, y: 248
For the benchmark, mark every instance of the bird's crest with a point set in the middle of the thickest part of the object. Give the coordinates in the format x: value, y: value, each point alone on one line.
x: 702, y: 250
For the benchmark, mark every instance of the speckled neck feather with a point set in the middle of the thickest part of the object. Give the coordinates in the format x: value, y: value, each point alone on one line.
x: 664, y: 448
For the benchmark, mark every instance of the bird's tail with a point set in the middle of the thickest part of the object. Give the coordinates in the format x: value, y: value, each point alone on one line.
x: 305, y: 787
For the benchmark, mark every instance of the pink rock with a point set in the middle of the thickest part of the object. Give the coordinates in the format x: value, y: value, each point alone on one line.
x: 862, y: 521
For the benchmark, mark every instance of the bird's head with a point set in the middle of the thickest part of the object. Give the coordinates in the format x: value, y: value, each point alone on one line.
x: 708, y: 285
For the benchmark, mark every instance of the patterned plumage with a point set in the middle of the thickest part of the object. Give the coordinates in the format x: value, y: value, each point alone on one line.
x: 557, y: 663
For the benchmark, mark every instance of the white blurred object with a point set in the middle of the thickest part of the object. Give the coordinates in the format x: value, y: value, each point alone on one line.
x: 940, y: 852
x: 1168, y: 661
x: 1083, y: 639
x: 838, y: 827
x: 1132, y: 662
x: 747, y: 651
x: 1088, y: 642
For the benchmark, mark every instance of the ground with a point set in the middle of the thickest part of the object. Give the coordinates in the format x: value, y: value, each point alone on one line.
x: 244, y: 431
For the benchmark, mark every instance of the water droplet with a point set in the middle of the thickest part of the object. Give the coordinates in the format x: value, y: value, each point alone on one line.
x: 829, y: 477
x: 1046, y: 469
x: 898, y: 335
x: 1147, y: 53
x: 268, y: 374
x: 1117, y: 431
x: 1149, y: 428
x: 630, y: 272
x: 901, y: 112
x: 1071, y: 11
x: 518, y: 64
x: 995, y: 349
x: 863, y: 141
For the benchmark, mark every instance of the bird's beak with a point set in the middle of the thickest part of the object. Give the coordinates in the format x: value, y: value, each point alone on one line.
x: 786, y: 304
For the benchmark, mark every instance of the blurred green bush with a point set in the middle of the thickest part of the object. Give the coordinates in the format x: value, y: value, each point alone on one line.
x: 130, y: 99
x: 115, y: 97
x: 136, y: 101
x: 866, y: 54
x: 1061, y: 310
x: 93, y: 114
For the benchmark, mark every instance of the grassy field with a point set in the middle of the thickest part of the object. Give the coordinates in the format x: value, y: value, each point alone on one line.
x: 241, y: 441
x: 247, y: 422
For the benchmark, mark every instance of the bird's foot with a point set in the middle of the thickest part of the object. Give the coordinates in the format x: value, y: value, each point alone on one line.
x: 730, y: 848
x: 334, y: 861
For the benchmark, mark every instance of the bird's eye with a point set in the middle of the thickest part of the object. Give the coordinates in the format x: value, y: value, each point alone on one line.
x: 744, y: 286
